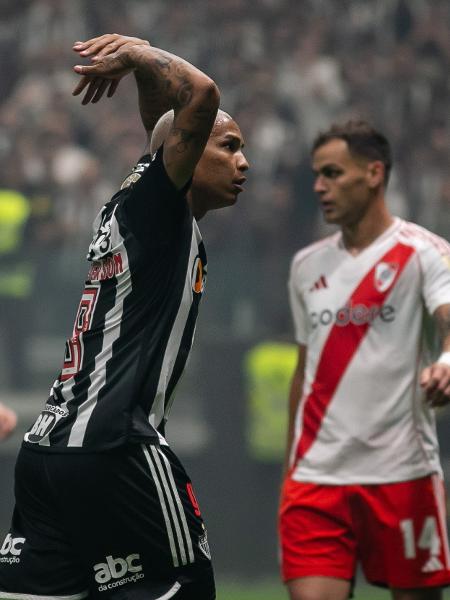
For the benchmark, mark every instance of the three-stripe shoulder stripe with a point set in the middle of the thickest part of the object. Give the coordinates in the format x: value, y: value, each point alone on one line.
x: 178, y: 534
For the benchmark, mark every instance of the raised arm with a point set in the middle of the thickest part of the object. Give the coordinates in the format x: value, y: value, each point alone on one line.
x: 164, y: 82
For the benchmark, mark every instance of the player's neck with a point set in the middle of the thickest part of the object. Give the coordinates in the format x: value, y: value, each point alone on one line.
x: 197, y: 207
x: 359, y: 235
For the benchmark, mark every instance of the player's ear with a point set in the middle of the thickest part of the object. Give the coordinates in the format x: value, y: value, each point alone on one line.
x: 375, y: 173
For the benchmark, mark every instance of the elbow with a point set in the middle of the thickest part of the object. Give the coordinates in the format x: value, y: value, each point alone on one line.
x: 208, y: 95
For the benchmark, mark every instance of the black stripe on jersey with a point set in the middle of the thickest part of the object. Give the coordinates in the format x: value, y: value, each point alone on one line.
x: 147, y: 386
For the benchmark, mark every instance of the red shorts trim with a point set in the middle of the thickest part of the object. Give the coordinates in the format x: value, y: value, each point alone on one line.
x: 397, y: 531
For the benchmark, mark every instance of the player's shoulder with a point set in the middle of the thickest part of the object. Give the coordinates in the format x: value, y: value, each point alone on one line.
x: 421, y: 238
x: 316, y: 251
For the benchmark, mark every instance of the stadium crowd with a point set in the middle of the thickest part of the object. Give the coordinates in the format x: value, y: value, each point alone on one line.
x: 286, y: 69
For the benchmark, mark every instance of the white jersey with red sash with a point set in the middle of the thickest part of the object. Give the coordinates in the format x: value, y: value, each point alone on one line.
x: 362, y: 417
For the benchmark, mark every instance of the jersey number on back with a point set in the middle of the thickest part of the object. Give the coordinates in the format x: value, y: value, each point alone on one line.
x: 73, y: 357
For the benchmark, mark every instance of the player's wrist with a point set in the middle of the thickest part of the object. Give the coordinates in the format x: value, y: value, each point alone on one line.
x: 444, y: 358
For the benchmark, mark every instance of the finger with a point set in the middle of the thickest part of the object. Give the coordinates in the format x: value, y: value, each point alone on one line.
x: 97, y: 44
x: 84, y: 81
x: 92, y: 89
x: 82, y: 45
x: 113, y: 87
x: 425, y: 376
x: 104, y: 83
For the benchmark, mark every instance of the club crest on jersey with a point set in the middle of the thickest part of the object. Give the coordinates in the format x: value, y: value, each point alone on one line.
x: 135, y: 175
x: 384, y: 275
x: 198, y: 276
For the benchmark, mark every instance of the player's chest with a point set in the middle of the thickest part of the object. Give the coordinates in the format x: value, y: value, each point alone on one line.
x: 345, y: 289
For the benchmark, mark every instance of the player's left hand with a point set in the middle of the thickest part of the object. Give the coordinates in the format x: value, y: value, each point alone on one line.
x: 106, y: 69
x: 435, y: 382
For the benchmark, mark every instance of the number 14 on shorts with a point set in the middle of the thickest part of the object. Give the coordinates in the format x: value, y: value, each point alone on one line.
x: 427, y: 539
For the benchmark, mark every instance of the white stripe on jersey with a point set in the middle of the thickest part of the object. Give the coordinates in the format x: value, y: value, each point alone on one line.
x: 158, y: 407
x: 110, y: 334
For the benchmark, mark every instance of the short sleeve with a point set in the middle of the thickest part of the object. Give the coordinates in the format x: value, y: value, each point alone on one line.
x: 298, y: 309
x: 435, y: 262
x: 152, y: 206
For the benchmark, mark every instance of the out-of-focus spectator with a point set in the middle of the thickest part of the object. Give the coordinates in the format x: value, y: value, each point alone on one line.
x: 16, y: 284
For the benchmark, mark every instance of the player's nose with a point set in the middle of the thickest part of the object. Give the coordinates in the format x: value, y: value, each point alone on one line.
x: 242, y: 162
x: 319, y: 185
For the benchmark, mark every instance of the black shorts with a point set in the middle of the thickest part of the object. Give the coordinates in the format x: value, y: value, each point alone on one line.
x: 119, y: 524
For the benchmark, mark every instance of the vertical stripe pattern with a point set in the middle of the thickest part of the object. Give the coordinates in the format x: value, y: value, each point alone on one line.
x: 173, y: 344
x: 110, y: 335
x: 178, y: 534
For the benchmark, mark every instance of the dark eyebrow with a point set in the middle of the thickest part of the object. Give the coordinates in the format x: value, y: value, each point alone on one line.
x: 332, y: 166
x: 233, y: 137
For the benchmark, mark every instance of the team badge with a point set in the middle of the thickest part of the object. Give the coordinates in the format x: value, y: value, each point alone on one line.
x: 130, y: 180
x: 384, y: 275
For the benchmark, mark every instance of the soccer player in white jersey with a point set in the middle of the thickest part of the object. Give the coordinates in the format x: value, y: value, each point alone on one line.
x: 363, y: 481
x: 104, y: 509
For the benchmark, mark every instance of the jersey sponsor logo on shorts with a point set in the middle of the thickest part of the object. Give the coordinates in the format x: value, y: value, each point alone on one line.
x: 358, y: 314
x: 118, y: 571
x: 384, y: 275
x: 11, y: 549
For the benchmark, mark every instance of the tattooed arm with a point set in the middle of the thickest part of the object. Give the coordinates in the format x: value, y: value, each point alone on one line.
x: 164, y: 82
x: 435, y: 379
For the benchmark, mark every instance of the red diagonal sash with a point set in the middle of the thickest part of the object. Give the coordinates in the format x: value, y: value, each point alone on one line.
x: 341, y: 345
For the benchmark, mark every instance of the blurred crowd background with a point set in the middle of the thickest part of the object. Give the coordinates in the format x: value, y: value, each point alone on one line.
x: 286, y: 69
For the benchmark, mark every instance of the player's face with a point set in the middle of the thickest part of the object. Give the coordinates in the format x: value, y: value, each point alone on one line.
x: 344, y: 183
x: 220, y: 174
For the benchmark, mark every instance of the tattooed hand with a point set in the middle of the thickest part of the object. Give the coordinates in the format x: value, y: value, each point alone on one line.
x: 109, y: 64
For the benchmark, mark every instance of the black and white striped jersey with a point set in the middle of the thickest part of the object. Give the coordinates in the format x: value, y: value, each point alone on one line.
x: 135, y: 323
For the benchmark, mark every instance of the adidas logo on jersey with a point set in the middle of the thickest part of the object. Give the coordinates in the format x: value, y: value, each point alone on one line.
x: 118, y: 568
x: 320, y: 284
x: 433, y: 564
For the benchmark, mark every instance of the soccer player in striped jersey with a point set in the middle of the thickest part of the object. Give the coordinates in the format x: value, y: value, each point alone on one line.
x: 363, y: 480
x: 103, y: 506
